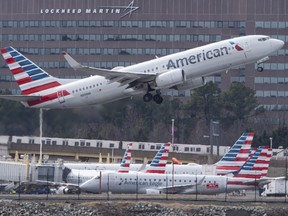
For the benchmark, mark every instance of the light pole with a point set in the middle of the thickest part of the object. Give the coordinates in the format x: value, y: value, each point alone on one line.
x: 112, y: 154
x: 172, y: 134
x: 41, y: 133
x: 271, y: 139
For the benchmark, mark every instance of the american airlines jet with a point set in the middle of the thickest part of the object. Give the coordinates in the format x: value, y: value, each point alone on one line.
x: 183, y: 70
x: 248, y: 177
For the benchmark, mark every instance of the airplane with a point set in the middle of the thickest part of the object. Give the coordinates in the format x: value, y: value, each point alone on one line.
x: 78, y: 176
x: 139, y: 182
x: 181, y: 71
x: 239, y: 150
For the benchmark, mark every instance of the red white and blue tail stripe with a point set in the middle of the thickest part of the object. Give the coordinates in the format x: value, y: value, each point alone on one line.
x: 32, y: 80
x: 237, y: 155
x: 159, y: 162
x: 29, y: 76
x: 126, y: 161
x: 257, y: 166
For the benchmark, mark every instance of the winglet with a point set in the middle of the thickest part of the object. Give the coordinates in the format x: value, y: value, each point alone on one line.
x: 72, y: 62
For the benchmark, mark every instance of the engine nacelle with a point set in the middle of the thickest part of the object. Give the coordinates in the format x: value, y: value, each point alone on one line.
x: 191, y: 84
x: 170, y: 78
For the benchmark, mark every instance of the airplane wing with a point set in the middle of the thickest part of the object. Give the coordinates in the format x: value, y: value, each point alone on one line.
x: 124, y: 77
x: 20, y: 98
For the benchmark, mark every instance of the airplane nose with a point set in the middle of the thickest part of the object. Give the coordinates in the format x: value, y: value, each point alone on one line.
x: 277, y: 44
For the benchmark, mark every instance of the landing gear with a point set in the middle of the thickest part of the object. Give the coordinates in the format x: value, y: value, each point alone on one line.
x: 147, y: 97
x: 260, y: 69
x: 260, y: 62
x: 157, y: 97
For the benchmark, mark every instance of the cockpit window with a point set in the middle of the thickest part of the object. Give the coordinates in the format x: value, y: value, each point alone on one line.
x: 264, y: 39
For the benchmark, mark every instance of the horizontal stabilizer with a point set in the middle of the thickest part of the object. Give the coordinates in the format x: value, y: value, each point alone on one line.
x: 20, y: 98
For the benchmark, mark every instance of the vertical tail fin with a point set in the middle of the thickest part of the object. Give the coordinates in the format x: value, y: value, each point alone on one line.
x: 237, y: 155
x: 159, y: 162
x: 29, y: 76
x: 125, y: 163
x: 257, y: 166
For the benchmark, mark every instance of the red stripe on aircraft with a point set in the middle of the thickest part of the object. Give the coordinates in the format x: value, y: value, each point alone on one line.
x: 46, y: 98
x: 41, y: 88
x: 3, y: 51
x: 24, y: 80
x: 17, y: 70
x: 228, y: 167
x: 123, y: 171
x: 156, y: 171
x: 244, y: 151
x: 10, y: 60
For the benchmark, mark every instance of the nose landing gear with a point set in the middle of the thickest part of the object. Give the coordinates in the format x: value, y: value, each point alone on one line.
x: 260, y: 68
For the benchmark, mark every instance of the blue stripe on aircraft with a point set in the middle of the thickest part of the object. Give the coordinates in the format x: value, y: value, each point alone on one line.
x: 37, y: 77
x: 9, y: 49
x: 34, y: 72
x: 19, y: 58
x: 29, y: 67
x: 25, y: 63
x: 14, y: 53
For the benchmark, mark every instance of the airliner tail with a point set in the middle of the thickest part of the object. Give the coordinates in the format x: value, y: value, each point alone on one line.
x: 29, y: 76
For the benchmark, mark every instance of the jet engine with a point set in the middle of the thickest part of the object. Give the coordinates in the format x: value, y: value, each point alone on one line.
x: 191, y: 84
x: 170, y: 78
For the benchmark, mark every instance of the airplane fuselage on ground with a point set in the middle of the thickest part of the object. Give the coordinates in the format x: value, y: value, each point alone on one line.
x: 143, y: 183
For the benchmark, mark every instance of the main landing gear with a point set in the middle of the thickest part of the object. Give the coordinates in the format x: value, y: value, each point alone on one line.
x: 157, y: 97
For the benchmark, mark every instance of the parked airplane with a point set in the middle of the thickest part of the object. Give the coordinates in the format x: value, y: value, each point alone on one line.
x: 77, y: 176
x: 239, y: 150
x: 183, y: 70
x: 138, y: 182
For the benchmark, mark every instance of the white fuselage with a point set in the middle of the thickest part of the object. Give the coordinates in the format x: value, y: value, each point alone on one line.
x: 82, y: 172
x: 142, y: 183
x: 197, y: 62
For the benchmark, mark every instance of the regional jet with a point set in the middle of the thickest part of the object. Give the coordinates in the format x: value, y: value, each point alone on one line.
x: 158, y: 164
x: 248, y: 177
x: 181, y: 71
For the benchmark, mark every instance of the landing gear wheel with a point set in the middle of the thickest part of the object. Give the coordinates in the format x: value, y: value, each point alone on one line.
x: 260, y: 69
x: 158, y: 99
x: 147, y: 97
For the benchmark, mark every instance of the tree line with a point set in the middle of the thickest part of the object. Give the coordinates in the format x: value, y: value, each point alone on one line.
x: 131, y: 119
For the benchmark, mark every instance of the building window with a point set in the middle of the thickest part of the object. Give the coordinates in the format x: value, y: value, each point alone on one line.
x: 99, y: 144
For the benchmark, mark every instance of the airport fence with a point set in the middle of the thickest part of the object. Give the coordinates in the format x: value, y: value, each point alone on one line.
x: 48, y: 190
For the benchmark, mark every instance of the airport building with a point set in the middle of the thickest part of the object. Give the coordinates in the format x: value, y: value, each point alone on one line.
x: 114, y: 33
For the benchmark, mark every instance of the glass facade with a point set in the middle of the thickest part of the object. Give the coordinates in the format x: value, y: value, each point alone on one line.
x: 114, y: 33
